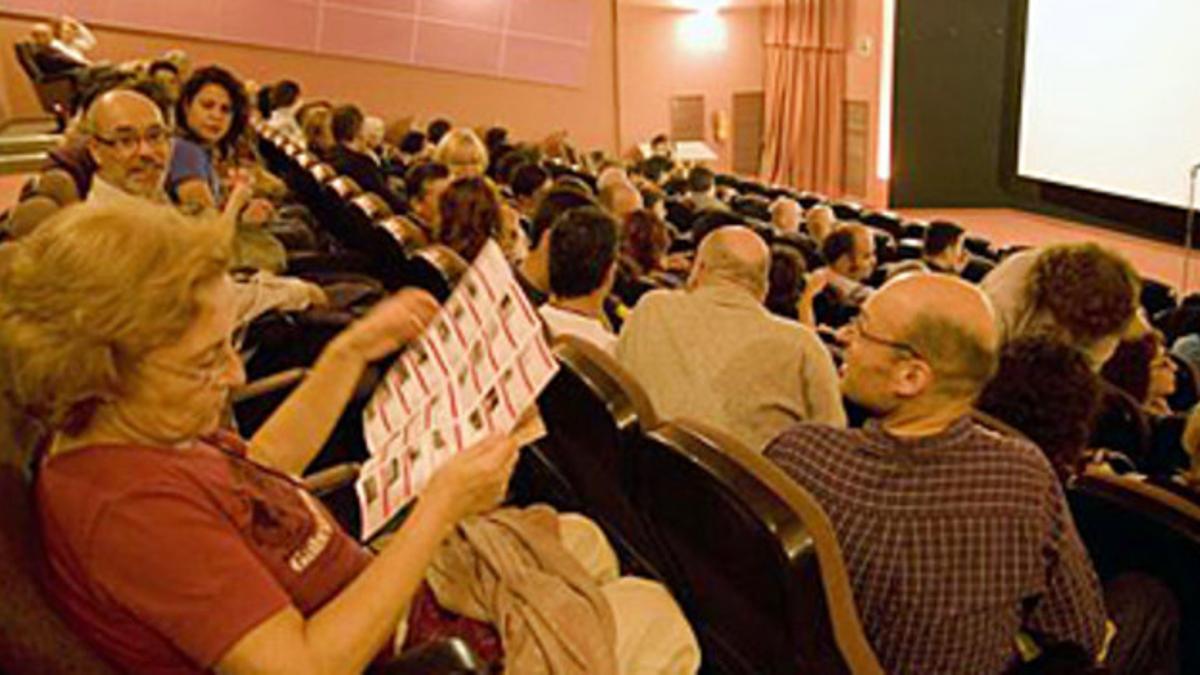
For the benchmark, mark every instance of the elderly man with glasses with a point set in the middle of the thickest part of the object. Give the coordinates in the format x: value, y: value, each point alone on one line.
x: 131, y: 145
x: 956, y: 538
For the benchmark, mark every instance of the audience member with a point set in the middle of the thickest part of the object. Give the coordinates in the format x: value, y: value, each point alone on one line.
x: 820, y: 221
x: 469, y: 215
x: 436, y: 130
x: 51, y: 59
x: 529, y: 182
x: 620, y: 198
x: 583, y: 247
x: 922, y: 493
x: 702, y: 190
x: 1084, y: 294
x: 426, y: 182
x: 713, y: 352
x: 166, y: 74
x: 372, y: 134
x: 350, y: 157
x: 284, y: 99
x: 212, y: 113
x: 660, y: 146
x: 786, y: 215
x: 839, y: 290
x: 785, y: 282
x: 534, y: 272
x: 1046, y: 389
x: 130, y: 143
x: 1142, y: 368
x: 463, y: 153
x: 944, y: 251
x: 317, y: 127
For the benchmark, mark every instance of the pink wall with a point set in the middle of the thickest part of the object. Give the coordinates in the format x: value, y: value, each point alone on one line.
x: 530, y: 110
x: 863, y: 71
x: 655, y: 63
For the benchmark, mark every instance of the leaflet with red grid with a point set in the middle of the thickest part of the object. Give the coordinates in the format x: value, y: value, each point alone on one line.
x: 477, y: 368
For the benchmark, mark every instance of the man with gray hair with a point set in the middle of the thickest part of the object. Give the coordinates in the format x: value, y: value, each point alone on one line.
x: 714, y: 354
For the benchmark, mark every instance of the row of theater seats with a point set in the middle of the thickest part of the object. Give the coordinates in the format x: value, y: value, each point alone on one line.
x: 360, y: 232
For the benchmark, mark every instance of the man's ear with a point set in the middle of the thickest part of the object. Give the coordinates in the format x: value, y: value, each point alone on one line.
x: 912, y: 378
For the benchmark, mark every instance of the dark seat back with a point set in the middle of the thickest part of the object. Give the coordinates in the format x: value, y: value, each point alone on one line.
x: 55, y: 92
x: 1150, y: 526
x: 594, y: 415
x: 750, y: 555
x: 33, y: 638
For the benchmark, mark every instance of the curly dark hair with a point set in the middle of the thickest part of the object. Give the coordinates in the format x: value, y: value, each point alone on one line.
x: 1090, y: 291
x: 1046, y: 388
x: 238, y: 102
x: 470, y: 211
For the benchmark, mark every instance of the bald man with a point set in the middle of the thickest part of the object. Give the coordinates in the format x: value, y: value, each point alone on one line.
x: 955, y: 538
x: 713, y: 353
x: 131, y: 144
x: 620, y: 199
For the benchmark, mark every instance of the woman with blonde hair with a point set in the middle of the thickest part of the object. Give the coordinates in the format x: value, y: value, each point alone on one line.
x: 463, y: 152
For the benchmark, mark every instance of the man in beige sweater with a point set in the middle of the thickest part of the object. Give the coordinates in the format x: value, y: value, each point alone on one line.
x: 713, y: 353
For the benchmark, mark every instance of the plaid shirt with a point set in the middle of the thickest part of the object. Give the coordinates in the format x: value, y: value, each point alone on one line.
x: 953, y: 543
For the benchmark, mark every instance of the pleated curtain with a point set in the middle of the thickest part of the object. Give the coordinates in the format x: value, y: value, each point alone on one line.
x: 805, y: 47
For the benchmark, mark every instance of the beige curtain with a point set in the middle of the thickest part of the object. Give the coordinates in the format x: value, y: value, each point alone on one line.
x: 805, y: 46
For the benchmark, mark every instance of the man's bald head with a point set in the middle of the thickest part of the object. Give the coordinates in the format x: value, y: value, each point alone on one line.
x: 949, y: 322
x: 129, y: 141
x: 736, y: 255
x: 41, y: 34
x: 786, y: 214
x: 621, y: 199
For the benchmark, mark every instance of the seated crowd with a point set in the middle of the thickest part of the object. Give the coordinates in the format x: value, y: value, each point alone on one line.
x: 157, y: 238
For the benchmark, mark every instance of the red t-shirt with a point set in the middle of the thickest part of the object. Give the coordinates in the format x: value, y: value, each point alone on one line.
x: 163, y: 558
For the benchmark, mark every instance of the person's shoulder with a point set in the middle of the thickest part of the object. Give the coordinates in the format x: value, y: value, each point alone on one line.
x: 1009, y: 457
x: 659, y: 300
x: 812, y: 439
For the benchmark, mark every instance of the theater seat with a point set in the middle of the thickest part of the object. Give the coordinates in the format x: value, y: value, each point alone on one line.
x: 56, y: 92
x: 434, y: 268
x: 1132, y: 524
x: 750, y: 555
x: 594, y: 414
x: 33, y: 639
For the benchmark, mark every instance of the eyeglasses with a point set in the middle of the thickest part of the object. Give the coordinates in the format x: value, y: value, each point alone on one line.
x: 855, y: 327
x: 127, y: 142
x: 206, y: 374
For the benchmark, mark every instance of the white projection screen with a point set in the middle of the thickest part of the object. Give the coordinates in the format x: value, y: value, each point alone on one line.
x: 1111, y: 98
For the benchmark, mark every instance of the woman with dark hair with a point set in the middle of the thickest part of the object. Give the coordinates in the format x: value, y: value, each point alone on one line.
x: 786, y: 279
x: 211, y: 115
x: 641, y: 263
x: 470, y: 215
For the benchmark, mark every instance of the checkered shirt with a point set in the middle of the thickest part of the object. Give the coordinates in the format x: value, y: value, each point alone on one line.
x: 953, y: 543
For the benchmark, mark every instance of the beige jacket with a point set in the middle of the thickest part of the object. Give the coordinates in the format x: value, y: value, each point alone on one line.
x: 509, y: 568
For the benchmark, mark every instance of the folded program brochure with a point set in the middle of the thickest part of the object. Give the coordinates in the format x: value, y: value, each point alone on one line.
x: 476, y: 370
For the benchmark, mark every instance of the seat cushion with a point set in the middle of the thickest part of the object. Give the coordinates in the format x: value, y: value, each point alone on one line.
x: 33, y: 639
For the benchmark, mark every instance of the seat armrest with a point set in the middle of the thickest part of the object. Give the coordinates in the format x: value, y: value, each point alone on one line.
x: 269, y: 384
x: 329, y: 480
